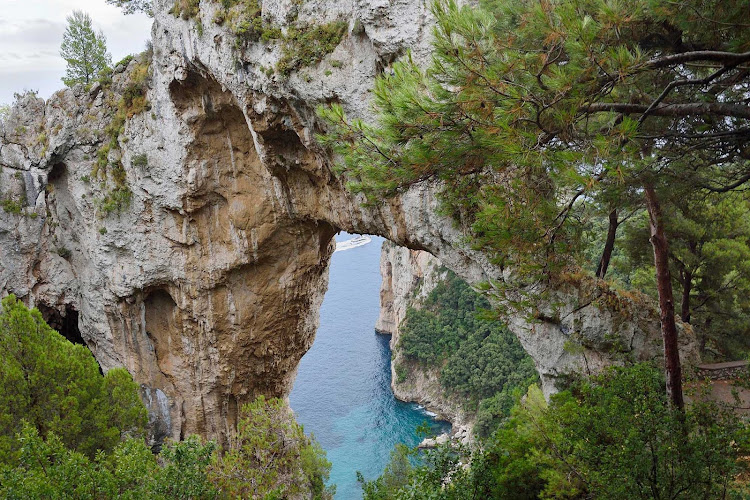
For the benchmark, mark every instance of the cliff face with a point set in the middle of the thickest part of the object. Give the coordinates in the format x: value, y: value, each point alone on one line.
x: 201, y: 262
x: 408, y: 278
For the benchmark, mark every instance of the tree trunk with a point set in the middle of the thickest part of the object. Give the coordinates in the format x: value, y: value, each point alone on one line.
x: 704, y: 334
x: 687, y: 285
x: 609, y: 245
x: 666, y: 300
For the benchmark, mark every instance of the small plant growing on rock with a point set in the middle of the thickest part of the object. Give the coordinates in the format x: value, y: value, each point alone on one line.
x: 63, y: 252
x: 140, y: 160
x: 307, y: 45
x: 186, y: 9
x: 11, y: 206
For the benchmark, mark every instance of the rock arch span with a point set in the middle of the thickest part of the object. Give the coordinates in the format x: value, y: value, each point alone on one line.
x: 207, y: 286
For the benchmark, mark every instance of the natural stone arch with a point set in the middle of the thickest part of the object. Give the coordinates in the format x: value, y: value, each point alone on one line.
x: 233, y: 218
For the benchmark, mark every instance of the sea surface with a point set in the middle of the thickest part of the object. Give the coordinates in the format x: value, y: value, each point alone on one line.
x: 342, y: 393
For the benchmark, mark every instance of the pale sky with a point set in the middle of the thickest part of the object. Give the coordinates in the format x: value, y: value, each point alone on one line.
x: 31, y: 32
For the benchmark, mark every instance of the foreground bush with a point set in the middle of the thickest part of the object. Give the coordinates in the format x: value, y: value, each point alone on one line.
x: 614, y: 436
x: 56, y: 387
x: 66, y: 431
x: 270, y: 457
x: 47, y: 469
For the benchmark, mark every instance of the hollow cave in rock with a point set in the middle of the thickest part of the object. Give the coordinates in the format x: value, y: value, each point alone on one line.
x: 66, y: 324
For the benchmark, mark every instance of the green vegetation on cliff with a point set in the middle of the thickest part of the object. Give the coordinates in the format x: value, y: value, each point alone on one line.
x: 54, y: 387
x: 481, y: 363
x: 66, y: 431
x: 302, y: 43
x: 614, y: 436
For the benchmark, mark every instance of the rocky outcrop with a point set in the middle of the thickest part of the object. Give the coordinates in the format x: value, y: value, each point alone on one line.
x: 408, y: 278
x: 200, y: 265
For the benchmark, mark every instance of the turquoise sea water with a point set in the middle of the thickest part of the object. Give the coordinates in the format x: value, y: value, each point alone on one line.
x: 342, y: 393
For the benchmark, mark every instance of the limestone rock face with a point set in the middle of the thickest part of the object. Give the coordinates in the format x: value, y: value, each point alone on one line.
x: 207, y: 284
x: 408, y: 278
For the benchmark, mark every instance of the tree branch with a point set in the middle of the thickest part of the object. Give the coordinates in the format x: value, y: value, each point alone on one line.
x: 675, y: 110
x: 725, y: 58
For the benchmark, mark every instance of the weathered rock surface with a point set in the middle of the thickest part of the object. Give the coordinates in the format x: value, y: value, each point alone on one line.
x: 408, y: 278
x: 207, y: 285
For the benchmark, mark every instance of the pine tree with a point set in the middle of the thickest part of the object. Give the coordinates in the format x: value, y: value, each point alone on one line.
x: 531, y: 111
x: 133, y: 6
x: 84, y: 50
x: 55, y: 386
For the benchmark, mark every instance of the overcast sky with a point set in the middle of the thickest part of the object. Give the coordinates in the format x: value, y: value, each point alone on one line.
x: 30, y: 36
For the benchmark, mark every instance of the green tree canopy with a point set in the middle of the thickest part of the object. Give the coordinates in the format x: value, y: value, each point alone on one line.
x: 84, y: 50
x: 532, y: 112
x: 56, y: 387
x: 133, y: 6
x: 270, y: 456
x: 710, y: 262
x: 480, y: 362
x: 614, y: 436
x: 47, y: 469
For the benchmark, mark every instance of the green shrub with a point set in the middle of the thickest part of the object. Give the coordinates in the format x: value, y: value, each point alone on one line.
x: 114, y: 201
x: 125, y: 60
x: 11, y: 206
x: 400, y: 374
x: 66, y: 431
x: 140, y: 160
x: 55, y: 387
x: 63, y: 252
x: 271, y: 457
x: 614, y: 436
x: 186, y: 9
x: 48, y: 469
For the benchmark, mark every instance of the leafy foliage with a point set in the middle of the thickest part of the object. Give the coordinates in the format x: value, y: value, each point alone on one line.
x: 48, y: 469
x: 302, y: 44
x: 395, y: 476
x: 11, y: 206
x: 480, y: 361
x: 532, y: 113
x: 614, y: 436
x: 84, y: 50
x: 133, y: 6
x: 66, y: 430
x: 245, y: 20
x: 709, y: 258
x: 132, y: 102
x: 55, y: 387
x: 308, y: 44
x: 270, y: 457
x: 186, y: 9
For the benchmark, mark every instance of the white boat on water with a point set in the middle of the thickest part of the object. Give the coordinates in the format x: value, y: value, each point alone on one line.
x: 355, y: 242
